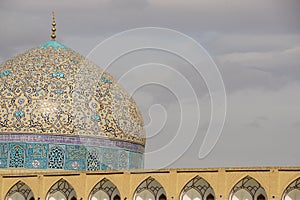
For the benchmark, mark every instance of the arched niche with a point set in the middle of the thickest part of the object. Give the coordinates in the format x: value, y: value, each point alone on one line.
x: 197, y: 189
x: 292, y: 191
x: 92, y: 160
x: 56, y: 158
x: 248, y: 189
x: 16, y: 156
x: 105, y: 190
x: 19, y: 191
x: 150, y: 189
x: 61, y: 190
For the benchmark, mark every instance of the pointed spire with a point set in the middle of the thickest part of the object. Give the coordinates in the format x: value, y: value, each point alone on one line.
x: 53, y: 35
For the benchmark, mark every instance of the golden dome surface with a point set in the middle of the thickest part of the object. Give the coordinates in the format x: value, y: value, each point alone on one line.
x: 53, y: 90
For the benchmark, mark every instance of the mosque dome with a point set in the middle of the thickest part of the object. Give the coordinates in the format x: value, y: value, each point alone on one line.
x: 58, y: 110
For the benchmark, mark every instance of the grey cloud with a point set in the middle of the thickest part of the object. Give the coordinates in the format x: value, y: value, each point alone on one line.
x: 268, y: 70
x: 257, y: 122
x: 220, y: 44
x: 98, y: 18
x: 296, y: 124
x: 274, y: 142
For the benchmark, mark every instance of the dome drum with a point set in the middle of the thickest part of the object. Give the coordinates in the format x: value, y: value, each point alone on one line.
x: 62, y: 152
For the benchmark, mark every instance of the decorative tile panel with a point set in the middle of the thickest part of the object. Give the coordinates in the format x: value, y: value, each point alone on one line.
x: 16, y: 156
x: 67, y: 157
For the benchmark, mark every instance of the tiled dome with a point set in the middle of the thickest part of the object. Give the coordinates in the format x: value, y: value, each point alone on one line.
x: 51, y: 98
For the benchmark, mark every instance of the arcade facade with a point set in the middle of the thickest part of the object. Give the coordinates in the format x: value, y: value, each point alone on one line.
x: 272, y: 183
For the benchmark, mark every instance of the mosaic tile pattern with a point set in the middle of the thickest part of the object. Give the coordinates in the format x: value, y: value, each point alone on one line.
x: 60, y: 111
x: 56, y: 158
x: 16, y: 156
x: 123, y: 160
x: 35, y: 155
x: 135, y: 160
x: 53, y: 90
x: 92, y: 161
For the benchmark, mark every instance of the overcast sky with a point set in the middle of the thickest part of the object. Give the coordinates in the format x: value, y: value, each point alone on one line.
x: 255, y: 45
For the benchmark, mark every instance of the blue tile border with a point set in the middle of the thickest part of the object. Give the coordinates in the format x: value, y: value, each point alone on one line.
x: 36, y: 156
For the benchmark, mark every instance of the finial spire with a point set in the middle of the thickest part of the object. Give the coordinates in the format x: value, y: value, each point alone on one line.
x: 53, y: 35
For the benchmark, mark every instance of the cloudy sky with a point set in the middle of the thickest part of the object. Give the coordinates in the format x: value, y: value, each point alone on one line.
x: 255, y: 45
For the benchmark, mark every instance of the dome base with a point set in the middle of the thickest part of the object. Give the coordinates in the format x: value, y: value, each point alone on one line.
x: 68, y: 153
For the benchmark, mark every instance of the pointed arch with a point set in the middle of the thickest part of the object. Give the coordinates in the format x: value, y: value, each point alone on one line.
x: 197, y: 188
x: 292, y: 191
x: 16, y: 156
x: 149, y: 188
x: 61, y: 190
x: 20, y: 190
x: 56, y: 158
x: 104, y: 189
x: 247, y: 188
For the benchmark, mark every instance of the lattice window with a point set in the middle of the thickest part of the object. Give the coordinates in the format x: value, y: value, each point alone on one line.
x: 292, y: 187
x: 56, y: 158
x: 108, y: 187
x: 201, y: 186
x: 64, y: 188
x: 151, y: 185
x: 22, y: 189
x: 92, y: 161
x: 251, y: 186
x: 16, y: 156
